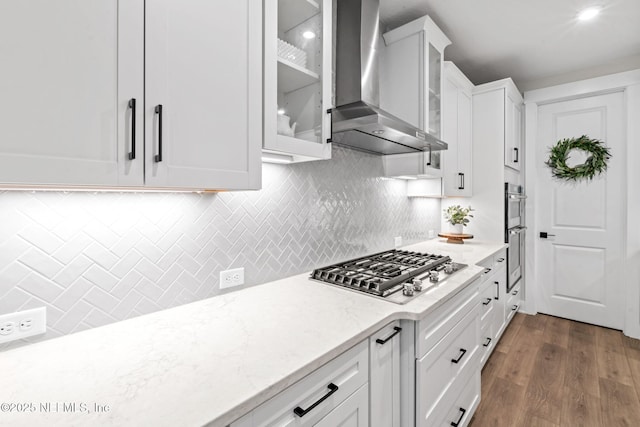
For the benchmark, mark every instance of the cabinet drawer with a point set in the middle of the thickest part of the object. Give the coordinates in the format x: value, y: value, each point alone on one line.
x: 454, y: 355
x: 488, y: 299
x: 487, y: 341
x: 434, y: 327
x: 348, y: 371
x: 466, y: 402
x: 495, y: 260
x: 513, y: 302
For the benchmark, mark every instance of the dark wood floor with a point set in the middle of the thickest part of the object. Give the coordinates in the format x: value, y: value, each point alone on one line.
x: 548, y: 371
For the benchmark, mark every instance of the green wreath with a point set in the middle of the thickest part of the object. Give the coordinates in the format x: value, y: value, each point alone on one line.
x: 595, y: 164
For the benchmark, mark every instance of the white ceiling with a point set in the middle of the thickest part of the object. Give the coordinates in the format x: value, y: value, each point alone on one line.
x: 538, y: 43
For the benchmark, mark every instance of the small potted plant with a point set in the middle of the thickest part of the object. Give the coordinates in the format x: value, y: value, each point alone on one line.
x: 457, y: 217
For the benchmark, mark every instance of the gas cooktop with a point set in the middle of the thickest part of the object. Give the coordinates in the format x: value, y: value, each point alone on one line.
x: 393, y: 275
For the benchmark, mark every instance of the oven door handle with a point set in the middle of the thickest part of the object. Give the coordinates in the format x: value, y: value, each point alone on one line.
x: 516, y: 196
x: 517, y: 230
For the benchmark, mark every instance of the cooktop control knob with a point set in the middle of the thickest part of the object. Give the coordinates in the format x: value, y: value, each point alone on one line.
x: 433, y: 276
x: 407, y: 290
x: 417, y: 285
x: 448, y: 268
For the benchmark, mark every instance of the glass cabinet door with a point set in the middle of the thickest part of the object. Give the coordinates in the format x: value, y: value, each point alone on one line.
x: 296, y: 107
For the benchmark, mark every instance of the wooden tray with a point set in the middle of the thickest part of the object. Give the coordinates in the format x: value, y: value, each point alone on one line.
x: 456, y: 238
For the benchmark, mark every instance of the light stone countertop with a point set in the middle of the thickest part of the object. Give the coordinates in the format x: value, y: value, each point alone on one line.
x: 211, y: 361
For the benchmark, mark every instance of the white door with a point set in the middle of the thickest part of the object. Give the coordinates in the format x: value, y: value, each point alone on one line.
x: 203, y: 93
x: 68, y: 70
x: 579, y: 268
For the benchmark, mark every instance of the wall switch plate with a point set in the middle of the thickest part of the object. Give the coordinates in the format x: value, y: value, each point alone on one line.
x: 398, y: 241
x: 231, y: 278
x: 432, y: 234
x: 23, y: 324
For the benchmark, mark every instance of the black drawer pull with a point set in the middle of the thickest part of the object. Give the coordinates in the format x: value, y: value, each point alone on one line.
x: 514, y: 308
x: 462, y: 353
x: 396, y: 332
x: 514, y: 293
x: 487, y: 343
x: 487, y: 270
x: 457, y: 423
x: 302, y: 412
x: 500, y: 259
x: 132, y: 106
x: 487, y: 301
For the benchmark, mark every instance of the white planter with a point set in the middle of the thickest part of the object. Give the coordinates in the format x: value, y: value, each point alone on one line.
x: 455, y: 229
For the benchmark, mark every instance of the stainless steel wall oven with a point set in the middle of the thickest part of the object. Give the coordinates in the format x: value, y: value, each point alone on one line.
x: 514, y: 232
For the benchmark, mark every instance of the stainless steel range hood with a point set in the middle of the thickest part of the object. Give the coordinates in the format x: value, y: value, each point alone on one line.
x: 358, y: 122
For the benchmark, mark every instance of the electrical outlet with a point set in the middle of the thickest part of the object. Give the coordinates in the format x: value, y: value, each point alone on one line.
x: 397, y: 241
x: 231, y: 278
x: 23, y: 324
x: 432, y: 234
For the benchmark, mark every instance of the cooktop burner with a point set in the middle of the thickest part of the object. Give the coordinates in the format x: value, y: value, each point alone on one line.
x: 386, y: 273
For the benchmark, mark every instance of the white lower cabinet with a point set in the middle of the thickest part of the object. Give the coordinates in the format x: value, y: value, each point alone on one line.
x: 384, y: 376
x: 450, y: 359
x: 353, y: 412
x: 340, y: 386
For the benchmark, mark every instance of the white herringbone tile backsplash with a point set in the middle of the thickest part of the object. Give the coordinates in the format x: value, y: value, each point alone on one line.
x: 97, y: 258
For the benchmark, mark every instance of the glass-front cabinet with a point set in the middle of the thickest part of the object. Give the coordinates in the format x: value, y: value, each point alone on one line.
x: 411, y: 89
x: 298, y: 80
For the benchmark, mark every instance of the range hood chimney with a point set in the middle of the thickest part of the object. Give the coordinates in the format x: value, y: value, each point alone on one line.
x: 358, y: 122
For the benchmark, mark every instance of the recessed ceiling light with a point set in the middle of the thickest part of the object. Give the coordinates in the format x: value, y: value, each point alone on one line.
x: 309, y: 35
x: 588, y: 13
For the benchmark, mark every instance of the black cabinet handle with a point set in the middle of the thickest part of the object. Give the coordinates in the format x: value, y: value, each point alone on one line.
x: 514, y: 308
x: 487, y: 301
x: 487, y: 270
x: 500, y: 260
x: 461, y: 175
x: 517, y: 155
x: 330, y: 139
x: 487, y: 343
x: 302, y: 412
x: 462, y: 353
x: 132, y: 106
x: 396, y: 330
x: 457, y: 423
x: 158, y: 111
x: 497, y: 290
x: 514, y: 293
x: 430, y: 153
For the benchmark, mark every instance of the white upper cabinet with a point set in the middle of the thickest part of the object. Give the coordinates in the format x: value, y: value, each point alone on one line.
x: 297, y: 80
x: 513, y: 129
x: 457, y: 131
x: 203, y: 94
x: 69, y: 69
x: 80, y: 105
x: 411, y: 66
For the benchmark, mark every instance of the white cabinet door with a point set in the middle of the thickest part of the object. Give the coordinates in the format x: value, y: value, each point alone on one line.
x: 513, y: 132
x: 384, y: 376
x: 465, y: 154
x: 456, y: 125
x: 68, y: 70
x: 353, y: 412
x: 203, y: 109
